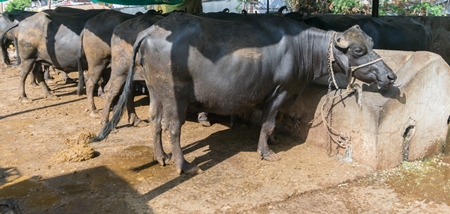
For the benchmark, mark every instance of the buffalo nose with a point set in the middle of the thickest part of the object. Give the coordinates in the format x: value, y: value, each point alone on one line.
x: 392, y: 77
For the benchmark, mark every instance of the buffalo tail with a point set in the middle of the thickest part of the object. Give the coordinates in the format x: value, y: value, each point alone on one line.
x: 126, y: 94
x: 80, y: 56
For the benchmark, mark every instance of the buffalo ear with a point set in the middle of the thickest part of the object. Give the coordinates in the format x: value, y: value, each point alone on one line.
x: 340, y: 41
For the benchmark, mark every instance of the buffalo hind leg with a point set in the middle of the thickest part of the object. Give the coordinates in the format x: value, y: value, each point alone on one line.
x: 155, y: 113
x: 25, y: 67
x: 92, y: 77
x: 175, y: 116
x: 112, y: 90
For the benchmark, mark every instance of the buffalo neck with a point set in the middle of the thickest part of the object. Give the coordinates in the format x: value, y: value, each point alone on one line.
x: 314, y: 45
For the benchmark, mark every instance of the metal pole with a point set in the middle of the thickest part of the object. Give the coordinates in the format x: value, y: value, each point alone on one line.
x: 375, y: 5
x: 268, y: 6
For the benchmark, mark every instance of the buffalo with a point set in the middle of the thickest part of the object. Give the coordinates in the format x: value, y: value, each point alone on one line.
x: 261, y: 61
x: 8, y: 21
x: 400, y: 34
x: 96, y: 46
x: 122, y: 40
x: 50, y: 38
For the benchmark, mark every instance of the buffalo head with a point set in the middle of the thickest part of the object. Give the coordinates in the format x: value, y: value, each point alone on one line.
x: 355, y: 55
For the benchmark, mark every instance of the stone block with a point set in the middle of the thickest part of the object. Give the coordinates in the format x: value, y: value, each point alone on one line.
x: 405, y: 123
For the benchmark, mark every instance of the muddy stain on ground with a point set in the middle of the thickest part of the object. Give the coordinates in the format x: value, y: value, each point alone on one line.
x: 31, y: 192
x: 413, y: 187
x: 135, y: 164
x: 428, y: 180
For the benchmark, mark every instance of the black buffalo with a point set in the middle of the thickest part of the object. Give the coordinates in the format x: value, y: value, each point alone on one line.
x: 229, y: 67
x: 399, y: 34
x: 9, y: 21
x: 122, y: 40
x: 96, y: 46
x: 50, y: 38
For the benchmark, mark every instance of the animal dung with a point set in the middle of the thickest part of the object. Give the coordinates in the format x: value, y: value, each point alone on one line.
x: 79, y: 149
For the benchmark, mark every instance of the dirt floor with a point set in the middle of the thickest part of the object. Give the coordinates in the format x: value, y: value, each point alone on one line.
x: 46, y: 166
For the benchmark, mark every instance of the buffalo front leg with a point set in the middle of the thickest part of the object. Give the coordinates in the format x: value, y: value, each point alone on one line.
x: 133, y: 119
x: 263, y: 147
x: 267, y: 128
x: 32, y: 79
x: 39, y: 75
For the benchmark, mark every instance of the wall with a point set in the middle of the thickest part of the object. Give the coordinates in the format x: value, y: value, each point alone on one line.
x: 440, y: 28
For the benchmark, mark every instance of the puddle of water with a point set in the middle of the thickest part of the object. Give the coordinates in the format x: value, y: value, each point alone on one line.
x: 136, y: 164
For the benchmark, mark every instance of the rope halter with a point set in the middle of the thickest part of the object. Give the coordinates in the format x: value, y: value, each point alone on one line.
x: 341, y: 140
x: 331, y: 59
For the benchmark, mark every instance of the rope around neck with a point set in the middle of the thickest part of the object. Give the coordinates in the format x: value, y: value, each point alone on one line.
x: 342, y: 141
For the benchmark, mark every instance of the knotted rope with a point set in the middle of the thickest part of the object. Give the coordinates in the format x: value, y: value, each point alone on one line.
x: 341, y: 140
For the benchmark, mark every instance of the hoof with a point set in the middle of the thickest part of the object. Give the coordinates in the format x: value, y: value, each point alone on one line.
x: 205, y: 123
x: 52, y: 97
x: 189, y: 169
x: 25, y: 100
x: 165, y: 160
x: 269, y: 156
x: 139, y: 123
x: 94, y: 114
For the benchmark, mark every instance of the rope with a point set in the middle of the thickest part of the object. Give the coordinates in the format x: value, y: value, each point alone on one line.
x: 353, y: 68
x: 342, y: 141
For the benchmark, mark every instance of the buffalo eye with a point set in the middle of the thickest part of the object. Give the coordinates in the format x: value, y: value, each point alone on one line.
x: 359, y: 51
